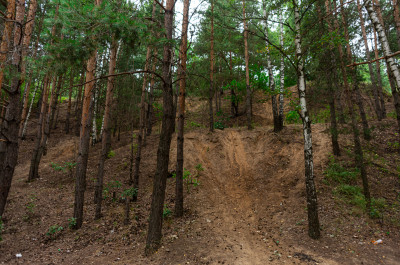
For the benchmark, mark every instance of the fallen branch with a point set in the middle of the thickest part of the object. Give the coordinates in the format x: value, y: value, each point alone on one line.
x: 380, y: 58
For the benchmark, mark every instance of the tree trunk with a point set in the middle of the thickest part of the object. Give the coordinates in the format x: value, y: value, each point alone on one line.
x: 10, y: 126
x: 246, y: 59
x: 67, y: 119
x: 378, y: 76
x: 312, y: 203
x: 149, y: 126
x: 83, y: 153
x: 282, y: 77
x: 331, y: 75
x: 26, y: 40
x: 211, y: 92
x: 378, y: 108
x: 55, y: 104
x: 29, y: 113
x: 156, y: 213
x: 84, y: 142
x: 78, y: 109
x: 106, y: 137
x: 392, y: 66
x: 6, y: 38
x: 396, y: 13
x: 181, y: 113
x: 356, y: 135
x: 141, y: 121
x: 353, y: 72
x: 275, y: 113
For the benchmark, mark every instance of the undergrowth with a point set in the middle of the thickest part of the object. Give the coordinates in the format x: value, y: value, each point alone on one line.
x: 344, y: 181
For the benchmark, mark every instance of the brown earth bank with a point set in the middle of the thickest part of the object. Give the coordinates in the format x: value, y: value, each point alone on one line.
x: 249, y: 206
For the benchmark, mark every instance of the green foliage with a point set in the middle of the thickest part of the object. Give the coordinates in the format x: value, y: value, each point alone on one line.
x: 392, y: 115
x: 71, y: 222
x: 219, y: 125
x: 339, y: 174
x: 322, y: 116
x: 394, y: 145
x: 221, y: 120
x: 111, y: 188
x: 110, y: 154
x: 193, y: 124
x: 166, y: 212
x: 54, y: 230
x: 189, y: 179
x: 129, y: 193
x: 199, y: 168
x: 64, y: 167
x: 348, y: 190
x: 292, y: 116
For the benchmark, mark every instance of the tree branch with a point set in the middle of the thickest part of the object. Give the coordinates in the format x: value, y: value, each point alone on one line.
x: 119, y: 74
x: 380, y: 58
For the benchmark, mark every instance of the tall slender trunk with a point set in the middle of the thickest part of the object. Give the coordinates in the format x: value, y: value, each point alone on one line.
x: 142, y: 120
x: 83, y: 153
x: 359, y: 157
x: 396, y: 15
x: 29, y: 112
x: 331, y: 75
x: 211, y: 92
x: 181, y: 113
x: 275, y: 111
x: 246, y: 60
x: 353, y: 72
x: 160, y: 179
x: 234, y: 106
x: 78, y: 107
x: 55, y: 104
x: 149, y: 118
x: 132, y: 138
x: 34, y: 168
x: 312, y: 203
x: 392, y: 66
x: 94, y: 121
x: 10, y: 126
x: 378, y: 76
x: 67, y: 119
x: 282, y: 77
x: 106, y: 137
x: 26, y: 40
x: 6, y: 38
x: 378, y: 108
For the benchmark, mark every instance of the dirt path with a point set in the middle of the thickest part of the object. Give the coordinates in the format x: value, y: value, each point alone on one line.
x: 248, y: 209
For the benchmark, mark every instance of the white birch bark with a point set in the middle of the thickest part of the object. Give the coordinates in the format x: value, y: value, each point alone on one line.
x: 312, y: 204
x: 384, y: 41
x: 29, y: 113
x: 270, y: 70
x: 282, y: 70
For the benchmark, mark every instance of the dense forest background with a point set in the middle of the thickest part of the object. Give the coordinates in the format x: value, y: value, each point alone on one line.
x: 140, y: 111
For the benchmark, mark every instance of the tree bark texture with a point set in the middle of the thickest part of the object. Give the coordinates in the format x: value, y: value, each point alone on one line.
x: 246, y: 60
x: 181, y: 113
x: 10, y: 126
x: 211, y: 92
x: 312, y: 203
x: 378, y: 108
x: 106, y: 137
x: 156, y: 213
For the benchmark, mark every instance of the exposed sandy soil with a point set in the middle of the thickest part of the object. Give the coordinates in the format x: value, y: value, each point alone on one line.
x: 248, y: 209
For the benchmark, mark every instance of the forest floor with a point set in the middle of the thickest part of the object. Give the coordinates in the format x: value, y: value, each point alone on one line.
x: 249, y: 206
